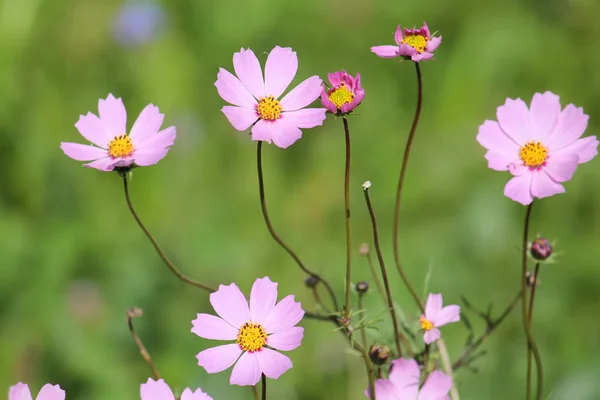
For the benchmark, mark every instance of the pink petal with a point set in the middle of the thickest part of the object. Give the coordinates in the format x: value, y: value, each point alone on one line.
x: 51, y: 392
x: 422, y: 56
x: 113, y: 116
x: 302, y: 95
x: 436, y: 387
x: 196, y: 395
x: 248, y: 70
x: 544, y: 113
x: 285, y: 314
x: 146, y: 125
x: 425, y: 30
x: 246, y: 371
x: 543, y: 186
x: 104, y: 164
x: 156, y: 390
x: 433, y: 306
x: 263, y: 297
x: 272, y: 363
x: 398, y: 35
x: 158, y: 140
x: 144, y: 158
x: 233, y: 91
x: 499, y: 162
x: 519, y: 189
x: 82, y: 152
x: 384, y: 390
x: 263, y: 130
x: 217, y: 359
x: 241, y: 118
x: 328, y: 104
x: 210, y: 327
x: 494, y: 139
x: 447, y: 315
x: 513, y: 118
x: 20, y: 391
x: 433, y: 44
x: 335, y: 78
x: 286, y: 339
x: 386, y: 51
x: 284, y: 134
x: 406, y: 50
x: 405, y: 376
x: 571, y: 124
x: 90, y: 127
x: 518, y: 168
x: 561, y: 167
x: 280, y: 69
x: 231, y: 305
x: 431, y: 336
x: 585, y: 149
x: 305, y: 118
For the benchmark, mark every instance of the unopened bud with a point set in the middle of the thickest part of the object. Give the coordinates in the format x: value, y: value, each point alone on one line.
x: 379, y: 354
x: 541, y: 249
x: 311, y: 281
x: 366, y: 185
x: 363, y: 250
x: 531, y: 279
x: 362, y: 287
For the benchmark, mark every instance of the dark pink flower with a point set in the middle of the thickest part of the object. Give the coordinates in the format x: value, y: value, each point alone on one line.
x: 416, y: 44
x: 345, y: 94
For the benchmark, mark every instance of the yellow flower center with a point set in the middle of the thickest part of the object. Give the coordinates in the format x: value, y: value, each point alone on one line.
x: 269, y: 108
x: 417, y: 42
x: 252, y: 337
x: 341, y: 95
x: 120, y: 146
x: 533, y: 154
x: 426, y: 324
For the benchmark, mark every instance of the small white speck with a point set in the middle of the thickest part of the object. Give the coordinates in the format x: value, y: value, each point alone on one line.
x: 366, y: 185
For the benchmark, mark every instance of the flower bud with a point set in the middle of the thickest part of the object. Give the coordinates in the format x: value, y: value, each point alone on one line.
x: 379, y: 354
x: 362, y: 287
x: 541, y: 249
x: 363, y: 250
x: 311, y: 281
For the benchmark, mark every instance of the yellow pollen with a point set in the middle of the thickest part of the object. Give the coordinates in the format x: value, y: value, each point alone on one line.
x: 533, y: 154
x: 340, y: 96
x: 251, y: 337
x: 426, y: 324
x: 269, y: 108
x: 120, y: 146
x: 417, y: 42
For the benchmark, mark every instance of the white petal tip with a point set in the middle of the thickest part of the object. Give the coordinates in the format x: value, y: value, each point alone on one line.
x: 366, y: 185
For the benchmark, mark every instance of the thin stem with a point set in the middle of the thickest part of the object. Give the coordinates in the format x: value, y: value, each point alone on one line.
x: 264, y: 387
x: 531, y: 345
x: 411, y: 136
x: 161, y: 254
x: 131, y: 314
x: 275, y: 236
x: 491, y: 326
x: 255, y: 392
x: 363, y: 330
x: 530, y: 315
x: 347, y: 215
x: 378, y: 283
x: 390, y: 301
x: 447, y: 367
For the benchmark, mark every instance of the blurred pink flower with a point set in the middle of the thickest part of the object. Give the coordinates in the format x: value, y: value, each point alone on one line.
x: 48, y: 392
x: 256, y: 329
x: 435, y: 316
x: 345, y: 95
x: 145, y: 144
x: 416, y: 44
x: 540, y: 146
x: 403, y: 383
x: 159, y: 390
x: 256, y: 101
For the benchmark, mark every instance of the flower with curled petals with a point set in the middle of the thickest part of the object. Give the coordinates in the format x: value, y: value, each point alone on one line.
x: 414, y: 44
x: 21, y: 391
x: 256, y: 100
x: 541, y: 145
x: 112, y: 147
x: 159, y: 390
x: 437, y: 316
x: 257, y: 330
x: 345, y: 94
x: 404, y: 381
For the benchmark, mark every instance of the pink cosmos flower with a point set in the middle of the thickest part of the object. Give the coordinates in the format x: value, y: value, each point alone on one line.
x: 345, y: 95
x: 112, y: 147
x: 416, y: 44
x: 540, y: 146
x: 159, y: 390
x: 403, y: 383
x: 435, y: 316
x: 257, y: 330
x: 48, y: 392
x: 256, y: 101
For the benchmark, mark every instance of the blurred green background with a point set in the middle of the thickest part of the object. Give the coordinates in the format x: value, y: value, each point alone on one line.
x: 73, y: 260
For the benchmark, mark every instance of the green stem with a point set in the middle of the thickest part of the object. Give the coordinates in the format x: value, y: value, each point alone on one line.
x: 530, y: 316
x: 264, y: 387
x: 378, y: 283
x: 347, y: 215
